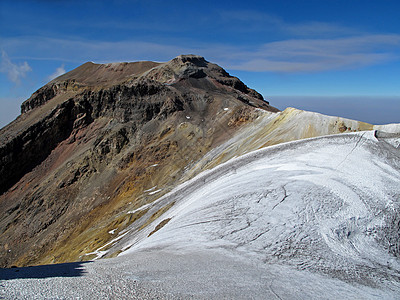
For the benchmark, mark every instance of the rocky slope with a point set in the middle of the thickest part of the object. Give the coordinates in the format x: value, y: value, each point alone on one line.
x: 89, y: 143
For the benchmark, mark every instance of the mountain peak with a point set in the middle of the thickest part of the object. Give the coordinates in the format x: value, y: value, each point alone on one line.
x: 184, y: 72
x: 191, y: 58
x: 100, y: 130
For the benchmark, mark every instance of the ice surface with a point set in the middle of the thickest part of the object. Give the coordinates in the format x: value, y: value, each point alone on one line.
x: 312, y: 219
x: 323, y: 205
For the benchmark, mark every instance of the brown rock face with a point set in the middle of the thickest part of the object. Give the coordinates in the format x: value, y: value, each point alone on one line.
x: 97, y: 143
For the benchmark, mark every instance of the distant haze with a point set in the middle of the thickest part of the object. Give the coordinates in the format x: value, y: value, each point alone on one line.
x: 10, y: 110
x: 370, y: 109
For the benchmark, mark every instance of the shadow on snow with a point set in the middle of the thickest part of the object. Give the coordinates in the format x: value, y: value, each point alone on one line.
x: 74, y: 269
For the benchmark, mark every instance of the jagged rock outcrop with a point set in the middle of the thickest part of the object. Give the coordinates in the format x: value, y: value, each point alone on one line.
x: 89, y: 143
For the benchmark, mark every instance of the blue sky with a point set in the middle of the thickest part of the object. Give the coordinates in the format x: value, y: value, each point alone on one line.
x: 335, y: 57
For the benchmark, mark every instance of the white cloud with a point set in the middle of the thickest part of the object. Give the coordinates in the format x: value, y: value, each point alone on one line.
x: 14, y: 72
x: 58, y: 72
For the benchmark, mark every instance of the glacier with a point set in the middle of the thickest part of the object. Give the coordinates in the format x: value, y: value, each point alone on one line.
x: 316, y: 218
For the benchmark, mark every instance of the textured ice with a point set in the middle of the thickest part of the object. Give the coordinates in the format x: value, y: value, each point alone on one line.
x: 312, y: 219
x: 325, y: 205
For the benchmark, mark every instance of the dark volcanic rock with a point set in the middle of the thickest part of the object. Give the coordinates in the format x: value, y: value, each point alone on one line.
x: 21, y: 154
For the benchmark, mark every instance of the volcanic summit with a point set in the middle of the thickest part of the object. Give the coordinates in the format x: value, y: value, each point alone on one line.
x: 193, y: 185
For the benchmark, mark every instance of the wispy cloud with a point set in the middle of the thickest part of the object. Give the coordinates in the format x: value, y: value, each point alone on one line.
x: 58, y: 72
x: 251, y: 21
x: 14, y: 72
x: 77, y: 50
x: 312, y: 55
x: 285, y: 56
x: 308, y: 46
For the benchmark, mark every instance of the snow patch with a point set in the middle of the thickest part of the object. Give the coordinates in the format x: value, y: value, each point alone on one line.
x: 155, y: 192
x: 99, y: 253
x: 139, y: 209
x: 150, y: 189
